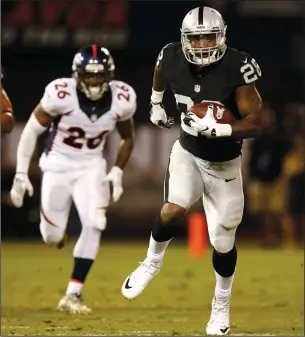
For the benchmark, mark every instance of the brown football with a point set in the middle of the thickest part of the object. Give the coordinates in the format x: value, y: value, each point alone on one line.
x: 221, y: 114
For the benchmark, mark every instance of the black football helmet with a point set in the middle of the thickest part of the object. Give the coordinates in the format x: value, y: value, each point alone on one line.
x: 93, y: 68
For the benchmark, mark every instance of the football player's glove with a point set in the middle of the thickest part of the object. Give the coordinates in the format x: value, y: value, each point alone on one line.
x: 158, y: 116
x: 115, y: 177
x: 208, y: 125
x: 21, y: 184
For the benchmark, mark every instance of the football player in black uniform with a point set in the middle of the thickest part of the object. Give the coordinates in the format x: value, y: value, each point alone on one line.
x: 206, y: 159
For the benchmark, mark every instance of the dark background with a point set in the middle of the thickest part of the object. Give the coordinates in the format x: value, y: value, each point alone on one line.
x: 135, y: 32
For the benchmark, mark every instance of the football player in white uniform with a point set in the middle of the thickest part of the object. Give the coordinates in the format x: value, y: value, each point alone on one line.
x: 78, y: 112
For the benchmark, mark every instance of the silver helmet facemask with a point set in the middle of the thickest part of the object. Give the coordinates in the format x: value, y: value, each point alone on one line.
x: 203, y: 36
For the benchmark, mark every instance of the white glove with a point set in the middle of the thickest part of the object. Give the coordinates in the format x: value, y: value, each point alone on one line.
x: 115, y: 177
x: 208, y: 126
x: 21, y: 184
x: 158, y: 116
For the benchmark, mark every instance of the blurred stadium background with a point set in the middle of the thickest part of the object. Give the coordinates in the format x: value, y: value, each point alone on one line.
x: 39, y: 39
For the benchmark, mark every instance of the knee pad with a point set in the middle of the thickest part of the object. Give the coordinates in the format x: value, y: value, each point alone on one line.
x: 51, y: 235
x: 233, y: 214
x: 223, y: 245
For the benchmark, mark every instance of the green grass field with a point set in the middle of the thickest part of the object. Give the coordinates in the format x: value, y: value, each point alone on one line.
x: 268, y: 295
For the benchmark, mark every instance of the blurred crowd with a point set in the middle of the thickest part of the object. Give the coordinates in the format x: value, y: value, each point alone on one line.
x: 275, y: 184
x: 273, y: 164
x: 273, y: 171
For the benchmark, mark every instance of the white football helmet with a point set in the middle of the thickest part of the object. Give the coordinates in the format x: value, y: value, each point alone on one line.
x: 203, y: 36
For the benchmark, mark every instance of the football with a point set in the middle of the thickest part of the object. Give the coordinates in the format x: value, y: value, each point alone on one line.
x: 221, y: 114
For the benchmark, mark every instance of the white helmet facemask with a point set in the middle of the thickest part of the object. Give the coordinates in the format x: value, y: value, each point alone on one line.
x: 93, y: 92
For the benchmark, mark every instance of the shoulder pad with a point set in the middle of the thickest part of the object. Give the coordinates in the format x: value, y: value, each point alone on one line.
x: 59, y: 96
x: 125, y: 100
x: 166, y: 53
x: 243, y: 68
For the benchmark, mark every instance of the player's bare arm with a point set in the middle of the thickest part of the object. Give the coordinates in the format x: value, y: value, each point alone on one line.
x: 159, y: 80
x: 43, y: 118
x: 157, y: 113
x: 126, y: 132
x: 249, y: 104
x: 7, y: 117
x: 115, y: 176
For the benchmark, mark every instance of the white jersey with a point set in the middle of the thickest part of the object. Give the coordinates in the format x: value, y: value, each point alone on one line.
x: 76, y: 138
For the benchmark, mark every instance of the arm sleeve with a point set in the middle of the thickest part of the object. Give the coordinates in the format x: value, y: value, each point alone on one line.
x: 127, y: 108
x: 245, y: 70
x: 162, y: 60
x: 56, y: 101
x: 27, y: 144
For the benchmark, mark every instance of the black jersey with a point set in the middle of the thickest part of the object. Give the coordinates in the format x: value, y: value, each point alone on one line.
x: 216, y: 82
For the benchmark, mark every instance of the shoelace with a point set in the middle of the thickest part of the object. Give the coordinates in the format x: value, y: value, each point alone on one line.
x: 149, y: 267
x: 80, y: 297
x: 77, y: 298
x: 219, y: 310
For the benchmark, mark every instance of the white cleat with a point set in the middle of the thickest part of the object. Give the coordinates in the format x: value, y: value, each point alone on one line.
x: 136, y: 282
x: 219, y: 323
x: 73, y: 303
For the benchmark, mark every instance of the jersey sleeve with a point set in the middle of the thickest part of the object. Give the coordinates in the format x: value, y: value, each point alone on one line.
x: 163, y: 57
x: 127, y: 101
x: 56, y: 100
x: 245, y: 70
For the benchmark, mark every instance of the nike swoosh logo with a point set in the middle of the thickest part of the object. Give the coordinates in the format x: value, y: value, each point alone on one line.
x: 205, y: 129
x: 224, y: 330
x: 127, y: 286
x: 227, y: 180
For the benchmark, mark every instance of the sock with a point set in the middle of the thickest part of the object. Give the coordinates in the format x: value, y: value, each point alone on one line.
x: 166, y: 231
x: 161, y: 235
x: 224, y: 266
x: 74, y: 287
x: 223, y: 287
x: 84, y: 253
x: 156, y: 249
x: 79, y: 274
